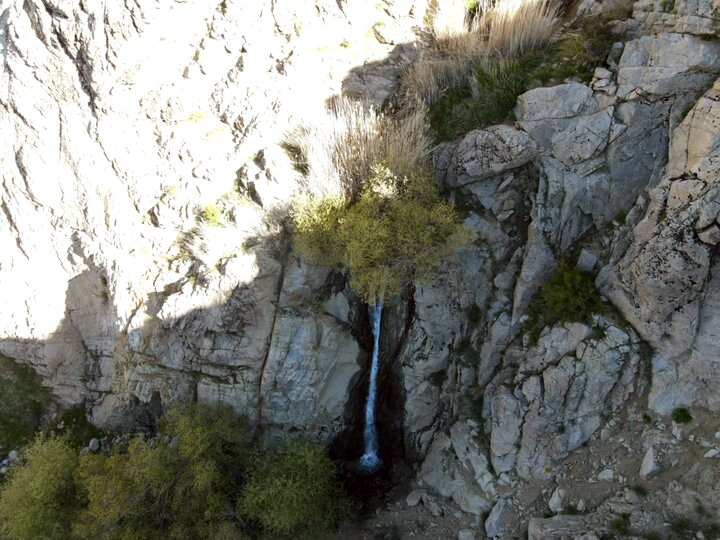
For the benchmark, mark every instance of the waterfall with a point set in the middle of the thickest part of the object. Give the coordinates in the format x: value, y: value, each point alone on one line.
x: 370, y: 461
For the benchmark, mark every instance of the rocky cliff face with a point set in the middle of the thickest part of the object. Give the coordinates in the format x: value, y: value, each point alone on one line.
x: 145, y: 258
x: 122, y: 123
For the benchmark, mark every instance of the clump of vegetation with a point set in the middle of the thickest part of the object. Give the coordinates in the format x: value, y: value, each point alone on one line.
x: 41, y: 499
x: 212, y: 215
x: 620, y: 524
x: 488, y: 99
x: 681, y: 525
x: 399, y: 230
x: 466, y: 35
x: 681, y: 416
x: 639, y: 489
x: 371, y: 205
x: 488, y: 96
x: 568, y: 295
x: 646, y: 418
x: 577, y: 53
x: 202, y: 477
x: 23, y: 403
x: 293, y: 491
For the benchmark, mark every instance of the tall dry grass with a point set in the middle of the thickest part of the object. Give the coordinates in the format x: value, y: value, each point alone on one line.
x: 514, y: 27
x: 337, y: 152
x: 463, y: 39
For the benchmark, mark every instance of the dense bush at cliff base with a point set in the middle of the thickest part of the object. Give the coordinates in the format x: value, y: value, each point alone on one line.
x: 202, y: 477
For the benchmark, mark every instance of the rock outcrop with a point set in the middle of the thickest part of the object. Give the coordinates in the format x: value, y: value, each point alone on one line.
x: 146, y: 259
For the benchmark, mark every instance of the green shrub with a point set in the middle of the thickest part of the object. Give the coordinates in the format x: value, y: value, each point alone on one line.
x: 399, y: 230
x: 681, y: 416
x: 41, y: 499
x: 293, y: 491
x: 186, y: 489
x: 212, y: 215
x: 489, y: 100
x: 577, y: 54
x: 129, y: 495
x: 682, y: 525
x: 23, y: 403
x: 620, y: 524
x: 317, y: 220
x: 569, y: 295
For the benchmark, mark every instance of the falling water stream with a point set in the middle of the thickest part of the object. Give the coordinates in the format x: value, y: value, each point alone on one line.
x: 370, y: 461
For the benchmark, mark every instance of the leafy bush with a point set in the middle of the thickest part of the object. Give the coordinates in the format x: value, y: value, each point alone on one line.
x: 22, y: 405
x: 397, y: 231
x: 681, y: 416
x: 489, y: 99
x: 293, y: 491
x: 187, y: 482
x: 568, y: 295
x: 186, y: 488
x: 577, y: 54
x: 212, y: 215
x: 41, y: 499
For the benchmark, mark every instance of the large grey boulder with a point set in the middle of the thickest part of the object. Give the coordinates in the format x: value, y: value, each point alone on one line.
x: 483, y: 154
x: 655, y: 66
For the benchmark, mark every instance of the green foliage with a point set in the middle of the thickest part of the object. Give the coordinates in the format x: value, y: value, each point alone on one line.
x: 682, y: 525
x: 681, y: 416
x: 397, y: 231
x: 492, y: 99
x: 577, y: 54
x: 186, y: 488
x: 212, y: 215
x: 639, y: 489
x: 198, y: 478
x: 129, y: 495
x: 620, y: 524
x: 569, y: 295
x: 647, y: 419
x: 293, y: 491
x: 23, y: 403
x: 492, y: 95
x: 40, y: 500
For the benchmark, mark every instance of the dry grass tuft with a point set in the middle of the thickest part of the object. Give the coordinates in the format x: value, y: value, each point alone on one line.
x: 515, y: 27
x: 463, y: 39
x: 336, y: 154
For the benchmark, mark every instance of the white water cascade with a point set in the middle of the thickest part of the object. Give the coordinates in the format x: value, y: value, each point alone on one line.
x: 370, y: 461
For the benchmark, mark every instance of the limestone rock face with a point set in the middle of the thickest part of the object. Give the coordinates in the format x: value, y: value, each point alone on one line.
x: 121, y: 124
x: 664, y: 284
